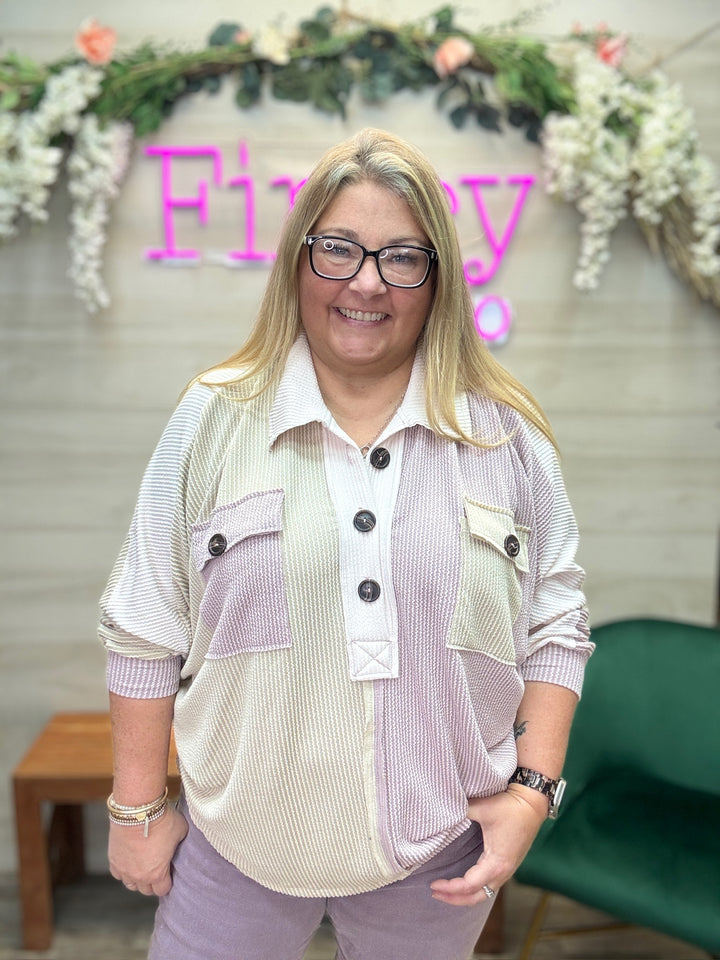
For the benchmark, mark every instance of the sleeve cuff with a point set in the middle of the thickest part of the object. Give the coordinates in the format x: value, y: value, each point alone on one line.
x: 559, y: 665
x: 143, y: 679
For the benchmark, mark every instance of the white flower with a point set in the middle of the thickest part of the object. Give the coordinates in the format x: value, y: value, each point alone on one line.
x: 96, y: 167
x: 634, y: 144
x: 31, y: 165
x: 273, y: 45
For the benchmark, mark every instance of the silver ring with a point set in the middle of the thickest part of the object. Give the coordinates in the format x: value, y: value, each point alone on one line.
x: 488, y: 891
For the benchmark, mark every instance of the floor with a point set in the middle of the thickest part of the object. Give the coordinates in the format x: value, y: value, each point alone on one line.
x: 97, y: 919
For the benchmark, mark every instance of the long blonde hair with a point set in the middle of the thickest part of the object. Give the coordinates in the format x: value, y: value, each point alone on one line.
x: 457, y: 358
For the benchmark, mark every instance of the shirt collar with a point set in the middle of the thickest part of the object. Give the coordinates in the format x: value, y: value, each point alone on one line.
x: 298, y: 400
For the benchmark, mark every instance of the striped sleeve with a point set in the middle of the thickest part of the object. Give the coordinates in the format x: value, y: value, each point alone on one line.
x: 144, y: 611
x: 558, y: 643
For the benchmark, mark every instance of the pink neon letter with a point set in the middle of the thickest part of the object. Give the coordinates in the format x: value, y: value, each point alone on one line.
x: 249, y: 253
x: 169, y: 201
x: 475, y: 272
x: 496, y: 330
x: 293, y: 188
x: 452, y: 197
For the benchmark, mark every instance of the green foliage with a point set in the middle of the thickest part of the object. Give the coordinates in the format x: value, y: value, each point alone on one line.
x: 330, y: 53
x: 224, y: 34
x: 325, y: 83
x: 444, y: 20
x: 249, y: 86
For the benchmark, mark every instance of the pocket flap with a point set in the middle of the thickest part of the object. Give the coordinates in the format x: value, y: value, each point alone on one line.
x: 254, y: 515
x: 497, y: 527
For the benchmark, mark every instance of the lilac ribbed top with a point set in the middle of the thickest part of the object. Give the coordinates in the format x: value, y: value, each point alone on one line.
x: 328, y: 743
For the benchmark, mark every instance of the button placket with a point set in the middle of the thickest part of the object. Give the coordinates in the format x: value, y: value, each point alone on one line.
x: 364, y: 497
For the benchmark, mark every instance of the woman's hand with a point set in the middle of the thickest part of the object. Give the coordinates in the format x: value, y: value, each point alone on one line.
x: 510, y: 821
x: 143, y: 863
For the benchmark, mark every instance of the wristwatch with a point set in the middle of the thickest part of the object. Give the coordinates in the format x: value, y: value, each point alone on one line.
x: 552, y: 789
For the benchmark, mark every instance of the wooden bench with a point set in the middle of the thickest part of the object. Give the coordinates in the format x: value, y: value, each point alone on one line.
x: 69, y: 764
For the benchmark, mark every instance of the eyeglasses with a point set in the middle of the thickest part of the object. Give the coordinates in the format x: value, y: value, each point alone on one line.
x: 401, y: 265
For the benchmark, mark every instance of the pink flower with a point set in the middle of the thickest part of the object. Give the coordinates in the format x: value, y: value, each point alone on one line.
x: 611, y: 50
x: 452, y: 54
x: 95, y: 42
x: 242, y: 36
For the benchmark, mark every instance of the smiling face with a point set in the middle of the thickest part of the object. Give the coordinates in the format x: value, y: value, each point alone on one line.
x: 363, y: 327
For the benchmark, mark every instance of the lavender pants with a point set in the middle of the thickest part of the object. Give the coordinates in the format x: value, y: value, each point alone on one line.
x: 214, y: 912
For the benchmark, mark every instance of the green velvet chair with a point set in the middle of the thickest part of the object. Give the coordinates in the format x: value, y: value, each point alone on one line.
x: 638, y: 835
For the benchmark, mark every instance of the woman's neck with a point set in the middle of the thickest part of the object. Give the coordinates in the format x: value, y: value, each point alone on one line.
x: 363, y: 406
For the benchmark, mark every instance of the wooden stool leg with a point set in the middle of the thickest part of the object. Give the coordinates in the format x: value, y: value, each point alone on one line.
x: 492, y: 939
x: 66, y: 844
x: 35, y: 885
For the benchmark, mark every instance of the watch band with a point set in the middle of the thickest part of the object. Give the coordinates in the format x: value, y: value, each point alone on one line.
x: 552, y: 789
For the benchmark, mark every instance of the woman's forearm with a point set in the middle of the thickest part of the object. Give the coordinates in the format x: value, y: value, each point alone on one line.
x: 542, y: 728
x: 141, y: 741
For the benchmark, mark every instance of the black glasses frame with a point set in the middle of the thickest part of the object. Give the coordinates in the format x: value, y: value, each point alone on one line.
x: 375, y: 254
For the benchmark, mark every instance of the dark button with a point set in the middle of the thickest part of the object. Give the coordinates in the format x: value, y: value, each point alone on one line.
x: 369, y: 590
x: 364, y: 521
x: 380, y: 458
x: 217, y: 545
x: 512, y: 545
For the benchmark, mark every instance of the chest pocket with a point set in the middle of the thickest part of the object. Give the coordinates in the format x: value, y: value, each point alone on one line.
x: 494, y: 557
x: 238, y: 551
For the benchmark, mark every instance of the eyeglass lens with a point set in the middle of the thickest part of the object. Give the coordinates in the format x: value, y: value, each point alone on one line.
x: 340, y: 259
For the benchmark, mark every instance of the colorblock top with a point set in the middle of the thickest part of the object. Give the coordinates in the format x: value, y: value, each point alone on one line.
x: 348, y: 637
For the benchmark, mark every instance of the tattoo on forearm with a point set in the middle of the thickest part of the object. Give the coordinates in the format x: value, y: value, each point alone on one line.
x: 520, y: 728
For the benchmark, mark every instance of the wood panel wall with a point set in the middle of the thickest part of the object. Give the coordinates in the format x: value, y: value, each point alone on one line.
x: 629, y: 375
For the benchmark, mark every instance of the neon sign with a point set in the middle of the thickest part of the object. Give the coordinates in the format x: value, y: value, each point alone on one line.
x: 493, y: 315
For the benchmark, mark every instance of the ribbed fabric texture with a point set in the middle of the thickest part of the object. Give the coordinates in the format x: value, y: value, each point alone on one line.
x: 313, y: 782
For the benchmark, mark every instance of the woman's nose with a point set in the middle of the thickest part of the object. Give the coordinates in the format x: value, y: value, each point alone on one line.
x: 368, y: 280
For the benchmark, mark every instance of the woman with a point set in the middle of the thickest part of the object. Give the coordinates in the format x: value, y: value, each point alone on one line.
x: 350, y: 585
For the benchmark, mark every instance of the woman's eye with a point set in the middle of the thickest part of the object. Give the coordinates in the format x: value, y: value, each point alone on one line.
x: 336, y: 249
x: 403, y: 257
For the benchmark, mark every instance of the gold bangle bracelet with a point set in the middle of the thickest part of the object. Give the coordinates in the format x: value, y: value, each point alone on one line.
x: 122, y: 811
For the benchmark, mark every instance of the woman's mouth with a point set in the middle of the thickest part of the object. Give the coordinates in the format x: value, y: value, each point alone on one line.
x: 360, y: 316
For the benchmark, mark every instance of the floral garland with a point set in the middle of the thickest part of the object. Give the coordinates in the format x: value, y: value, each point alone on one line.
x: 611, y: 143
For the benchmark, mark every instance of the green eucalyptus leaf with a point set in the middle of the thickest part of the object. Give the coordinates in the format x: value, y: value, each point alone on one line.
x: 378, y: 87
x: 459, y: 115
x: 223, y: 35
x: 251, y: 78
x: 317, y: 32
x: 489, y: 118
x: 443, y: 20
x: 245, y: 97
x: 291, y: 82
x: 533, y: 131
x: 146, y: 118
x: 448, y: 88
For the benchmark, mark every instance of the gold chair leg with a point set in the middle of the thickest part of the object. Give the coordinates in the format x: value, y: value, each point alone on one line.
x: 535, y: 929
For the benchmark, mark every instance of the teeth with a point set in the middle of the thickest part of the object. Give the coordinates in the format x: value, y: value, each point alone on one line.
x: 364, y: 317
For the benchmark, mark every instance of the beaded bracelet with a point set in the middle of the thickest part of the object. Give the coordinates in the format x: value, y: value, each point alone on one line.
x: 133, y: 822
x: 134, y: 816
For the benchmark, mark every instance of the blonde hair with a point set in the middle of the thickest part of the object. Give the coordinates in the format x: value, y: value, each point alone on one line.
x: 457, y: 358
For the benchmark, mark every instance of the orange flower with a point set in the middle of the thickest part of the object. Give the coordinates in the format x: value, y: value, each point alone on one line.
x: 611, y: 50
x: 452, y: 54
x: 95, y: 42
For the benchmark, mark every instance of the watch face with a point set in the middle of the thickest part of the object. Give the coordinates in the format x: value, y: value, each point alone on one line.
x: 556, y: 798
